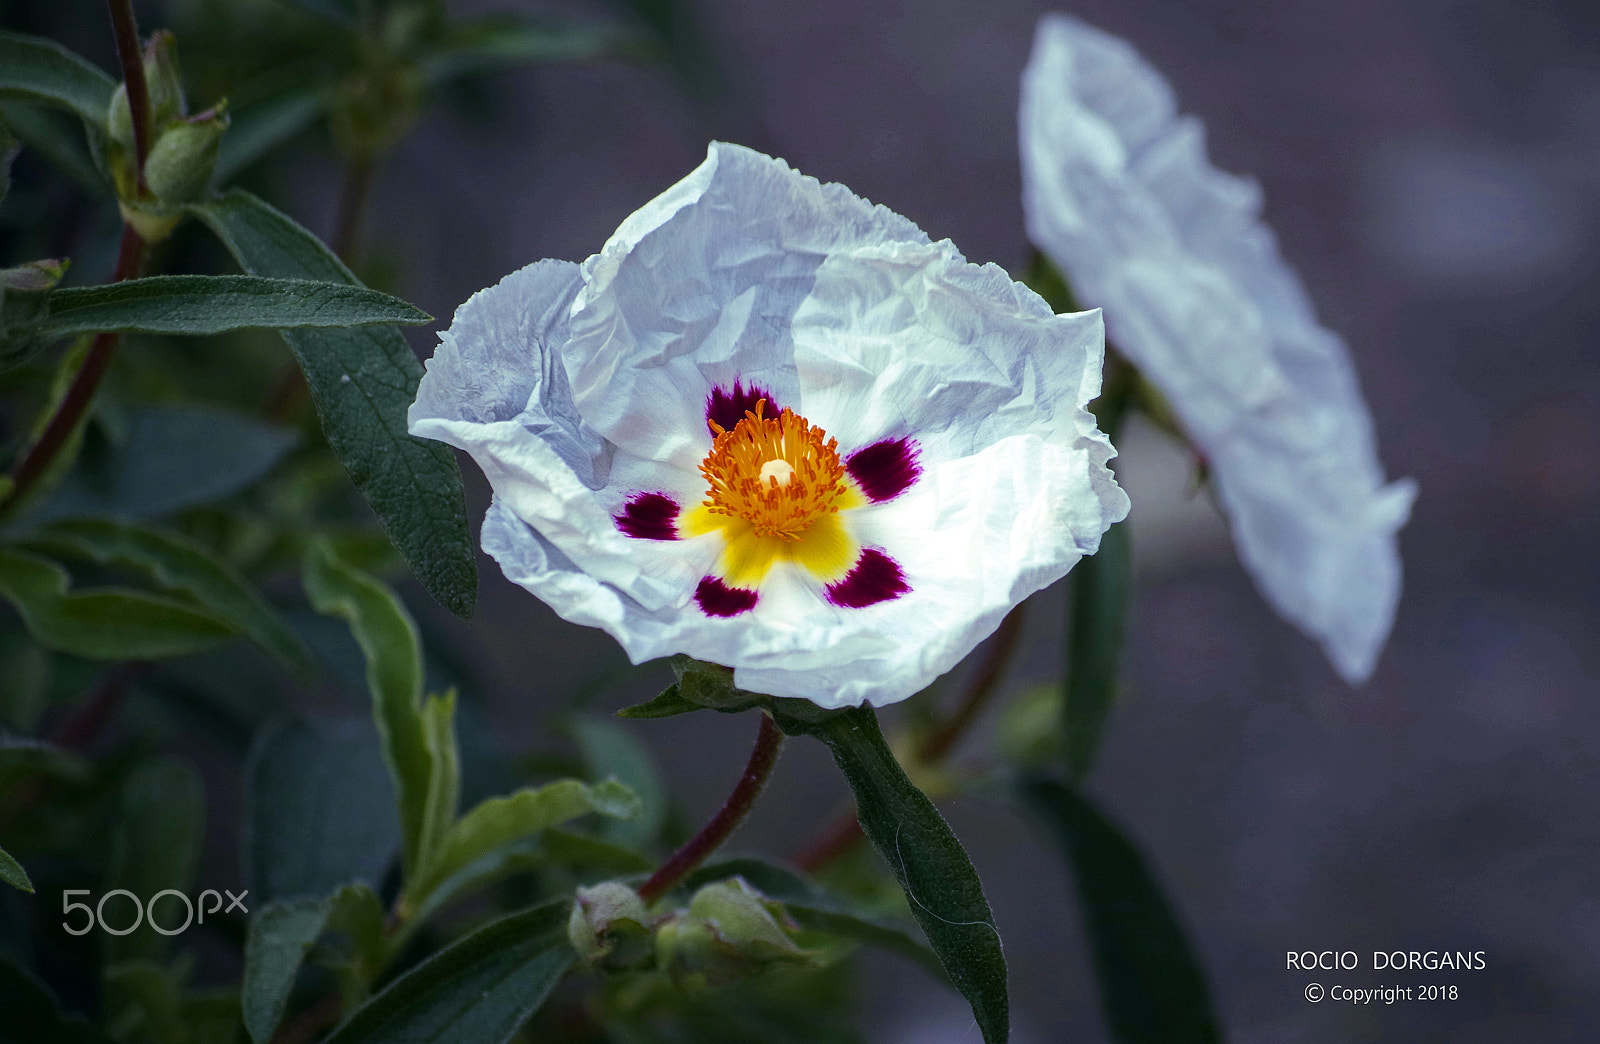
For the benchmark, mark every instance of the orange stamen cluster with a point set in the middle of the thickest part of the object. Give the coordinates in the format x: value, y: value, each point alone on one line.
x: 786, y: 508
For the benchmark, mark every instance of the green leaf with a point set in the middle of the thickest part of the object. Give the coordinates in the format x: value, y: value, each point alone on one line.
x: 670, y: 703
x: 816, y: 910
x: 32, y: 1012
x: 506, y: 40
x: 24, y: 684
x: 197, y: 304
x: 58, y: 138
x: 103, y: 623
x: 1150, y: 982
x: 343, y: 12
x: 363, y: 381
x: 262, y: 128
x: 498, y: 823
x: 388, y: 639
x: 611, y: 750
x: 178, y: 563
x: 9, y: 147
x: 319, y: 809
x: 39, y: 70
x: 282, y: 934
x: 923, y: 854
x: 170, y: 458
x: 1100, y: 588
x: 478, y: 990
x: 12, y: 873
x: 155, y: 846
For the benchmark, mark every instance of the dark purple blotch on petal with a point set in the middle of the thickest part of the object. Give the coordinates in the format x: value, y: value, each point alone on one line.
x: 875, y: 578
x: 886, y: 469
x: 649, y: 516
x: 718, y: 599
x: 727, y: 408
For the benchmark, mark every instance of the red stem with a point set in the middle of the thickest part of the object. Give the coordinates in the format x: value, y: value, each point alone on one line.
x: 126, y: 30
x: 699, y: 847
x: 84, y: 385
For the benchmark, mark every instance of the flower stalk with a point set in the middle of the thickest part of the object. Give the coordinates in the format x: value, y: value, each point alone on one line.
x: 711, y: 836
x: 126, y: 30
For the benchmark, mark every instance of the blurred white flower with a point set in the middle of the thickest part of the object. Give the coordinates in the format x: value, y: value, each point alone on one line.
x: 774, y: 427
x: 1118, y: 192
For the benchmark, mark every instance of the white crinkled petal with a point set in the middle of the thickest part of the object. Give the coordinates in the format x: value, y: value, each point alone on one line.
x: 577, y: 386
x: 1118, y: 191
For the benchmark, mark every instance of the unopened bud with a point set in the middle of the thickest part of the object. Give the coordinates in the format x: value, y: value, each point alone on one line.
x: 730, y: 932
x: 610, y: 928
x: 180, y: 163
x: 163, y: 87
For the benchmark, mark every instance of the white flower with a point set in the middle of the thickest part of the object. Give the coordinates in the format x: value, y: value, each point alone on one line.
x: 904, y: 450
x: 1118, y: 192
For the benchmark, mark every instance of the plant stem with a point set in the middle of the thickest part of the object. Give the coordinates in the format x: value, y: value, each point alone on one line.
x: 126, y: 30
x: 358, y: 174
x: 699, y: 847
x: 76, y: 401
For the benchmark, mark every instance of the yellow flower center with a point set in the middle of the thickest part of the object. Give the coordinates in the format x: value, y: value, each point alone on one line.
x: 776, y: 473
x: 776, y: 487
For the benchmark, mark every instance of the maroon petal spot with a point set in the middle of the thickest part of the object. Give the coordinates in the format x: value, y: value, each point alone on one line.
x: 718, y: 599
x: 875, y: 578
x: 884, y: 470
x: 649, y: 516
x: 728, y: 408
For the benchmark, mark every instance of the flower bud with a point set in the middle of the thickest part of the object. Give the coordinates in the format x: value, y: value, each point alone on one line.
x: 162, y: 85
x: 180, y: 163
x: 610, y: 928
x: 730, y: 932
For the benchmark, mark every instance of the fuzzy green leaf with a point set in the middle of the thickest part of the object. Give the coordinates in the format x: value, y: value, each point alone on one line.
x: 155, y: 845
x: 178, y: 563
x: 57, y: 137
x: 12, y: 873
x: 281, y: 935
x: 410, y: 734
x: 261, y: 128
x: 923, y: 854
x: 198, y: 304
x: 363, y: 381
x: 1150, y: 982
x: 1100, y: 589
x: 40, y: 70
x: 500, y: 822
x: 103, y: 623
x: 478, y: 990
x: 610, y: 749
x: 670, y: 703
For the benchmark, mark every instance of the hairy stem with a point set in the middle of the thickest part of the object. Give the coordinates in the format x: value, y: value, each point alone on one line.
x: 80, y: 394
x: 699, y: 847
x: 126, y: 30
x: 351, y: 216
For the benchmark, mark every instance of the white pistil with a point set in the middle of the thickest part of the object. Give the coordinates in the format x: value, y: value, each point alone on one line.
x: 781, y: 470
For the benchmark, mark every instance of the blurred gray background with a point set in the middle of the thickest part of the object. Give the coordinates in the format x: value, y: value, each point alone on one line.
x: 1432, y: 168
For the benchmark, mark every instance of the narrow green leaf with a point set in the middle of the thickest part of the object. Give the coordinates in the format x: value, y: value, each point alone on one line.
x: 32, y: 1012
x: 923, y: 854
x: 609, y: 749
x: 344, y: 12
x: 57, y: 137
x: 258, y: 130
x: 281, y: 935
x: 444, y: 777
x: 103, y: 623
x: 505, y: 40
x: 363, y: 381
x: 155, y: 846
x: 478, y: 990
x: 670, y: 703
x: 388, y: 638
x: 500, y: 822
x: 41, y: 70
x: 12, y: 873
x: 1100, y: 589
x: 199, y: 304
x: 319, y: 808
x: 1150, y: 982
x: 178, y: 563
x: 816, y: 910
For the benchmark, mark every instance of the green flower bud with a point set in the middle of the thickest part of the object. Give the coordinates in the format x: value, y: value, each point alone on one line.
x: 729, y: 933
x: 180, y: 163
x: 163, y: 86
x: 609, y: 927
